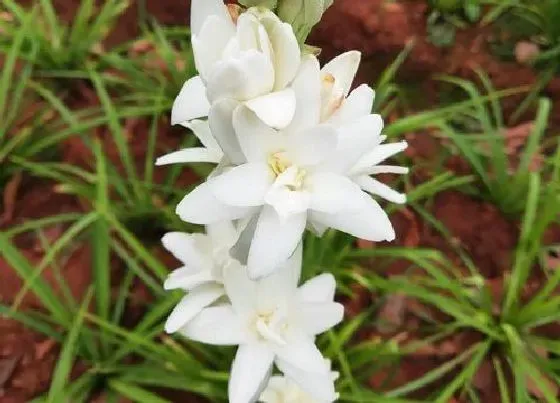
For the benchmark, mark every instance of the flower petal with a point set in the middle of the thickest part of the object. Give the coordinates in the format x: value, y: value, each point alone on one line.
x: 187, y: 155
x: 307, y: 88
x: 344, y: 68
x: 276, y: 109
x: 186, y: 248
x: 375, y: 187
x: 283, y: 282
x: 243, y: 78
x: 220, y: 121
x: 250, y: 372
x: 191, y: 305
x: 370, y: 223
x: 241, y: 291
x: 211, y: 44
x: 257, y: 140
x: 191, y: 103
x: 217, y: 325
x: 319, y: 289
x: 377, y: 155
x: 301, y: 352
x: 186, y: 279
x: 201, y: 129
x: 318, y: 317
x: 313, y: 145
x: 244, y: 185
x: 286, y: 54
x: 274, y: 242
x: 202, y: 9
x: 358, y: 104
x: 318, y: 385
x: 332, y: 193
x: 202, y: 207
x: 355, y: 140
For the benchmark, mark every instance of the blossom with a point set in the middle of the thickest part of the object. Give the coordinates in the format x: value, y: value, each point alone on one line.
x: 204, y: 258
x: 300, y: 387
x: 248, y: 58
x: 314, y: 173
x: 359, y: 156
x: 273, y: 322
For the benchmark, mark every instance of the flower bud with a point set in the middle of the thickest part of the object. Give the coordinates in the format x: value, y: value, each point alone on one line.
x: 302, y: 14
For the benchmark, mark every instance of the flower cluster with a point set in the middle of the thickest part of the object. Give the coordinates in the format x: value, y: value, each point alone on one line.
x: 295, y: 149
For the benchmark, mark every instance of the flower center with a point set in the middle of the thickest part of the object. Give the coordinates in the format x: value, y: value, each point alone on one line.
x: 288, y: 175
x: 271, y: 325
x: 278, y: 163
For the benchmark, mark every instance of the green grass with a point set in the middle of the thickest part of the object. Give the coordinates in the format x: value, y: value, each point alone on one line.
x: 127, y: 210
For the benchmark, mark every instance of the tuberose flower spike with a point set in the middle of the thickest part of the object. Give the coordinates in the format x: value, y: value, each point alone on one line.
x: 295, y: 148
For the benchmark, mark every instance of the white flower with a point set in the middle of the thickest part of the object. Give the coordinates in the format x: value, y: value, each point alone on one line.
x: 209, y: 152
x: 311, y: 173
x: 273, y: 322
x: 204, y: 259
x: 360, y: 150
x: 249, y: 58
x: 300, y: 387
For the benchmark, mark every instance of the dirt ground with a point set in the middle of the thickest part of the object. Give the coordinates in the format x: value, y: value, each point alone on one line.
x: 380, y: 30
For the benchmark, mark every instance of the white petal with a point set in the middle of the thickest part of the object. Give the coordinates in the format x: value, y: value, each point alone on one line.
x: 311, y: 146
x: 247, y: 31
x: 191, y: 103
x: 332, y: 193
x: 319, y: 289
x: 287, y: 202
x: 241, y: 291
x: 358, y: 104
x: 217, y: 325
x: 307, y: 87
x: 274, y: 242
x: 286, y: 54
x: 387, y: 169
x: 244, y: 78
x: 318, y: 385
x: 344, y: 68
x: 186, y: 249
x: 318, y: 317
x: 191, y: 305
x: 370, y: 223
x: 282, y: 284
x: 201, y: 129
x: 257, y: 140
x: 249, y: 373
x: 220, y: 121
x: 187, y: 155
x: 202, y: 207
x: 378, y: 154
x: 276, y: 109
x: 355, y: 140
x: 187, y: 279
x: 202, y: 9
x: 301, y: 352
x: 244, y: 185
x: 375, y: 187
x: 210, y: 44
x: 223, y: 234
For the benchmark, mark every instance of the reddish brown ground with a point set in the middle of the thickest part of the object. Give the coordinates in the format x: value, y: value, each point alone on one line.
x: 378, y: 28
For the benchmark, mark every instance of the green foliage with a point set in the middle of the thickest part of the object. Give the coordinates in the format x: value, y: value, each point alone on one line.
x: 60, y: 46
x: 479, y: 133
